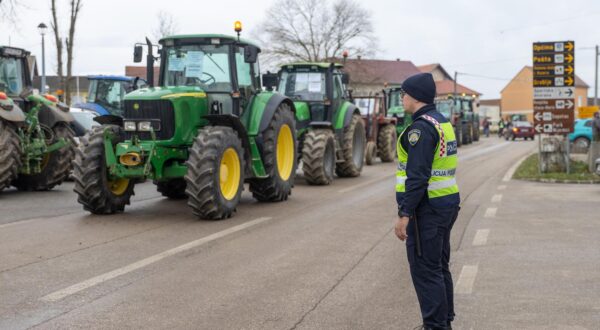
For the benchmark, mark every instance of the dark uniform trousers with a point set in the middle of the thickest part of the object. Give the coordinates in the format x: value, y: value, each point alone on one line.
x: 430, y: 272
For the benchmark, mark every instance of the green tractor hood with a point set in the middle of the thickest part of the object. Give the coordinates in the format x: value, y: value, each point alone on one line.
x: 155, y: 93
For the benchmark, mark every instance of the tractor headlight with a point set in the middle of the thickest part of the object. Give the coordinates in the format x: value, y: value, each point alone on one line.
x: 144, y: 126
x: 129, y: 126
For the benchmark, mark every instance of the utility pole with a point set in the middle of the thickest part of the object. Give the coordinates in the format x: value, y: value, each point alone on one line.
x: 596, y: 76
x: 455, y: 77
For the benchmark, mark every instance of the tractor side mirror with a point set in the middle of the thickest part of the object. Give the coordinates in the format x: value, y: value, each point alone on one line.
x: 345, y: 78
x: 137, y: 53
x: 270, y: 80
x: 250, y: 54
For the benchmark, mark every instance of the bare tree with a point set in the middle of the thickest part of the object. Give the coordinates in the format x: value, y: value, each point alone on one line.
x: 58, y: 42
x: 8, y: 11
x: 167, y: 26
x: 316, y: 30
x: 74, y: 9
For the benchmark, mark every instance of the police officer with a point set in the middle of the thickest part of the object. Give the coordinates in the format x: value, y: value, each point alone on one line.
x: 428, y: 199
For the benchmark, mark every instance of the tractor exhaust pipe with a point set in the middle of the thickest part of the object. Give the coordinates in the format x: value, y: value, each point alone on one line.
x: 150, y: 64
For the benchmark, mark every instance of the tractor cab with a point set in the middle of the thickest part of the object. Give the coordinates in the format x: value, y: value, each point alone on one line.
x: 319, y: 85
x: 14, y: 73
x: 395, y: 108
x: 106, y: 93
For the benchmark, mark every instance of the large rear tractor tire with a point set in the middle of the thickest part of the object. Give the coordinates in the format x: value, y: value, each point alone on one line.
x: 215, y: 175
x: 172, y: 189
x: 353, y: 148
x: 466, y: 134
x: 56, y: 166
x: 386, y: 143
x: 10, y: 154
x: 279, y: 157
x: 98, y: 193
x: 476, y: 133
x: 318, y: 156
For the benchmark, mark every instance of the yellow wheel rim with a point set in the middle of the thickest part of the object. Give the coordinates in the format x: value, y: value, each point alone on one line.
x: 229, y: 174
x: 285, y: 152
x: 118, y: 186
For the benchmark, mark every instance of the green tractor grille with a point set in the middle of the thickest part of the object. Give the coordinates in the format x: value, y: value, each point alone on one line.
x: 161, y: 110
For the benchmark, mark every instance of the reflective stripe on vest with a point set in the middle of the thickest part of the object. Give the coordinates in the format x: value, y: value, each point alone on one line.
x: 443, y: 170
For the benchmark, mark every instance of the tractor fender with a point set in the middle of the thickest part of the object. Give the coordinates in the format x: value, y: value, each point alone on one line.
x: 51, y: 114
x: 263, y: 108
x: 15, y: 114
x: 345, y: 115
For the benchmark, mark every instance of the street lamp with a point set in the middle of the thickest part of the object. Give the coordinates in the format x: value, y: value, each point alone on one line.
x: 42, y: 28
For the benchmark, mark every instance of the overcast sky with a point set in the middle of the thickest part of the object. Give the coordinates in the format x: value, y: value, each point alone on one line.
x: 487, y: 41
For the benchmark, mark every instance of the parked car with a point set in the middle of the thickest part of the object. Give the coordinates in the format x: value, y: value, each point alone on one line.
x: 582, y: 135
x: 520, y: 129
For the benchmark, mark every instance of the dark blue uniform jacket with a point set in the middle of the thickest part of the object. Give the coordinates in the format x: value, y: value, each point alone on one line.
x: 418, y: 169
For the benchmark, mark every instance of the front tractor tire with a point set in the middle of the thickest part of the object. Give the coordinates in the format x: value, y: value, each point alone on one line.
x: 318, y: 156
x: 56, y: 166
x: 97, y: 192
x: 10, y: 154
x: 279, y: 157
x: 386, y: 143
x: 353, y: 148
x: 215, y: 175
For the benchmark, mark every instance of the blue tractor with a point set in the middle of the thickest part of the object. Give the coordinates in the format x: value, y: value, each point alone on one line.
x: 106, y: 93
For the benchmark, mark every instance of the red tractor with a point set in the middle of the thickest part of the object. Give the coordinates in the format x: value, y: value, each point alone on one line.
x: 380, y: 128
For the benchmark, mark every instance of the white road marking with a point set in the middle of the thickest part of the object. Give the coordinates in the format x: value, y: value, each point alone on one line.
x: 60, y: 294
x: 497, y: 198
x: 366, y: 183
x: 20, y: 222
x: 502, y: 187
x: 465, y: 282
x: 481, y: 152
x: 481, y: 237
x: 490, y: 212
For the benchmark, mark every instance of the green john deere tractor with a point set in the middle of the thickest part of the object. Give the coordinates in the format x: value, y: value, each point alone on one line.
x: 36, y: 141
x: 204, y: 131
x: 393, y: 104
x: 331, y: 132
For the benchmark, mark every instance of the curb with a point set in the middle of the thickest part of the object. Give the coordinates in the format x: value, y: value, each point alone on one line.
x: 542, y: 180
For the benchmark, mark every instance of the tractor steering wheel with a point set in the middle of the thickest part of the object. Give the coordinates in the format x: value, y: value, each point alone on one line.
x: 210, y: 77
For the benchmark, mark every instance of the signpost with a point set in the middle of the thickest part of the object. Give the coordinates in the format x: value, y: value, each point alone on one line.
x: 554, y: 90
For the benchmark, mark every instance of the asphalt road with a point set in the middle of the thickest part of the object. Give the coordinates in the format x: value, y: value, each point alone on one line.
x: 325, y: 259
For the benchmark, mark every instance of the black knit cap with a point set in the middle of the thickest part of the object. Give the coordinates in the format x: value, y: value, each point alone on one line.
x: 421, y: 87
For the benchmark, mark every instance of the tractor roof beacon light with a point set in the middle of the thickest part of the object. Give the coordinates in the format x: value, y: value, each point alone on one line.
x: 345, y: 56
x: 237, y: 26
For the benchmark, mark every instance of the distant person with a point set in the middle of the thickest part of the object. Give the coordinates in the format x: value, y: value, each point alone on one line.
x: 501, y: 126
x: 428, y: 200
x: 596, y: 127
x: 486, y: 127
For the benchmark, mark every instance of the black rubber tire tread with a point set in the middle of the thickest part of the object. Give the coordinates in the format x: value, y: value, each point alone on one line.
x: 348, y: 168
x: 476, y: 133
x: 172, y: 189
x: 458, y: 135
x: 274, y: 188
x: 313, y: 155
x: 466, y: 134
x: 90, y: 174
x: 59, y: 165
x: 370, y: 153
x: 386, y: 143
x: 202, y: 178
x: 10, y: 154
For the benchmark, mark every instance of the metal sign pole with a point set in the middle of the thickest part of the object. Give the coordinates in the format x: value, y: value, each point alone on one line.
x: 568, y: 160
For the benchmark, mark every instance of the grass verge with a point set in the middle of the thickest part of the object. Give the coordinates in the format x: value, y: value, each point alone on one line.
x: 528, y: 170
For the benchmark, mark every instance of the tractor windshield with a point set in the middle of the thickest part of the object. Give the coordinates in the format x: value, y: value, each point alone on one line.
x: 445, y: 108
x: 306, y: 86
x: 205, y: 66
x: 366, y: 105
x: 11, y: 75
x: 109, y: 94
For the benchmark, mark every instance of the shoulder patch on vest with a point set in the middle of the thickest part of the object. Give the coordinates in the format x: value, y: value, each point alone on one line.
x: 413, y: 136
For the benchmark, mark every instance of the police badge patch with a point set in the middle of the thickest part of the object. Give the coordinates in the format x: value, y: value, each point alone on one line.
x: 413, y: 136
